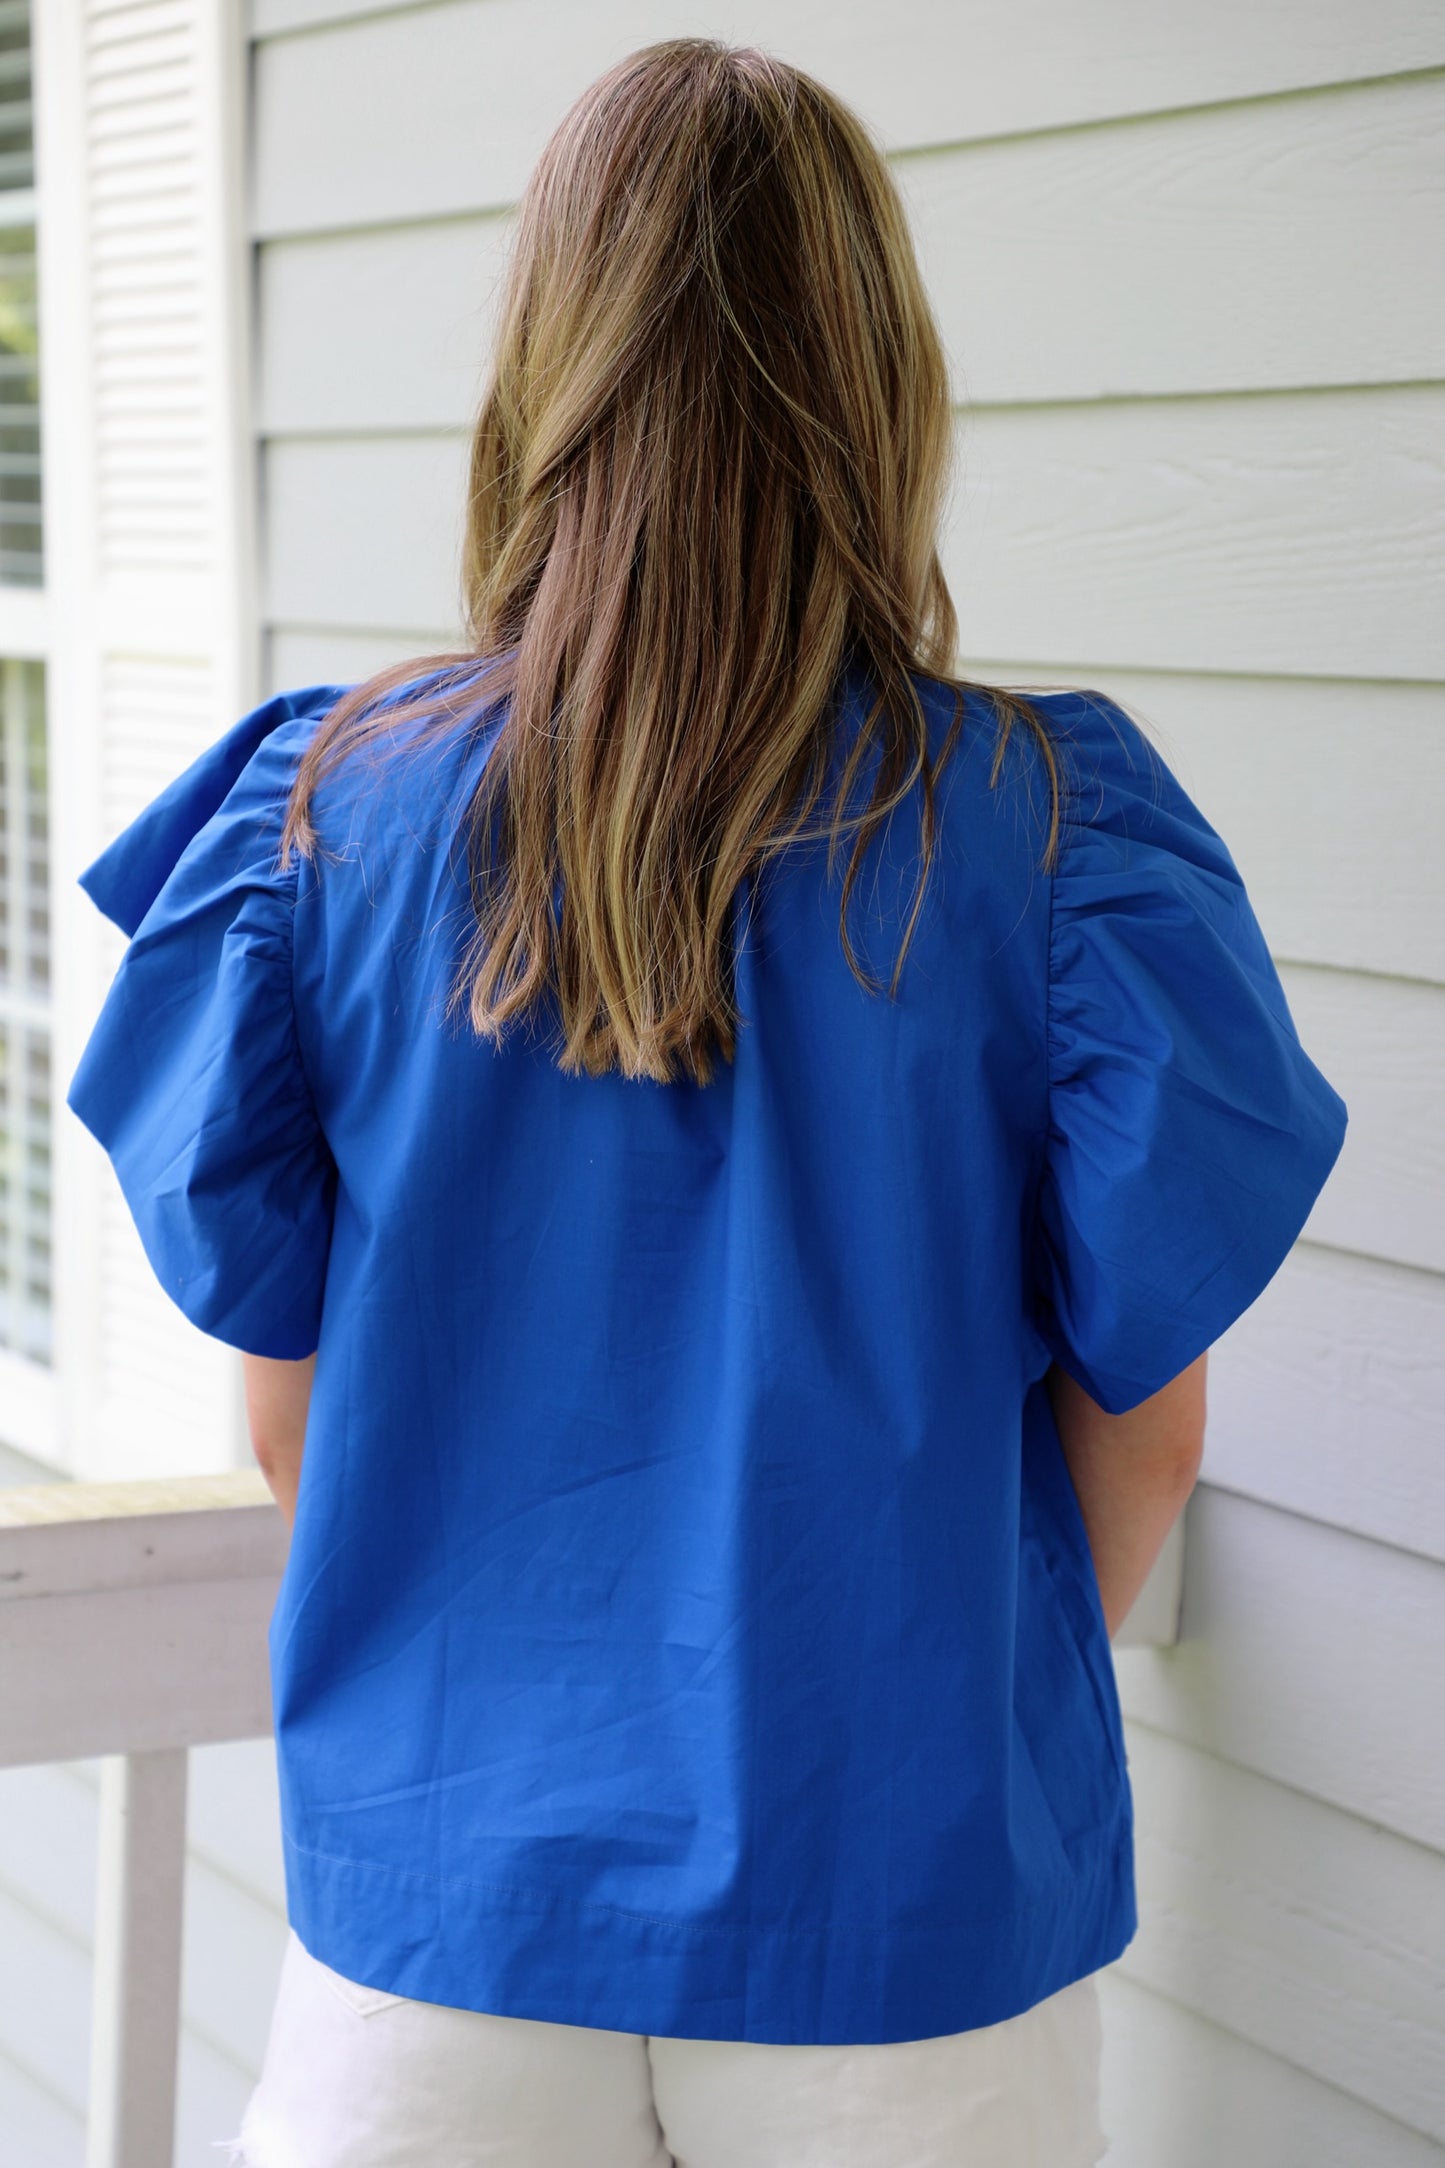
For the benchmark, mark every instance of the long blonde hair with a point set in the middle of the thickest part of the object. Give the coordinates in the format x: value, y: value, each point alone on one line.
x: 707, y: 474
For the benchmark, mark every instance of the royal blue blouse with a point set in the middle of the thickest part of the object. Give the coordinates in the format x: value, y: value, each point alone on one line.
x: 688, y: 1626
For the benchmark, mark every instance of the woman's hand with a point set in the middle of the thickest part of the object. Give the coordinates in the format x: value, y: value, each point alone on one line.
x: 1133, y: 1474
x: 278, y: 1395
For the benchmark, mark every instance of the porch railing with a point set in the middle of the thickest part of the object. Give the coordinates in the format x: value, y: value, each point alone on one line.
x: 133, y: 1623
x: 133, y: 1626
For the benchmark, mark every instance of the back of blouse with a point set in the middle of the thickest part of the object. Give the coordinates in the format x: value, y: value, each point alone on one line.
x: 689, y: 1626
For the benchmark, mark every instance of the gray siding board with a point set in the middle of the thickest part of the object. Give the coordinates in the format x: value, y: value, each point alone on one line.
x: 1168, y: 534
x: 1253, y: 229
x: 438, y: 108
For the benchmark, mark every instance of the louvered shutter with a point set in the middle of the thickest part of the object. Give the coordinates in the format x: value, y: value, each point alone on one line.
x: 155, y: 594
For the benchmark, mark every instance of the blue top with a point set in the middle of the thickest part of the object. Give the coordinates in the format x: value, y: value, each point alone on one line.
x: 689, y: 1626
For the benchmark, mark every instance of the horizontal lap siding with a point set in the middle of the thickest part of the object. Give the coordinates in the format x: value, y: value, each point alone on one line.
x: 1170, y: 534
x: 1181, y: 2090
x: 1181, y: 261
x: 234, y: 1933
x: 1254, y: 228
x: 1310, y: 1655
x: 1254, y: 533
x: 440, y: 108
x: 1325, y: 1399
x: 1304, y: 775
x: 1383, y: 1041
x: 1311, y: 1932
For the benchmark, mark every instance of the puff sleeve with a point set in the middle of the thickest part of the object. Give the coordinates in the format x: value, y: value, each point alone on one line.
x: 1189, y: 1131
x: 192, y: 1077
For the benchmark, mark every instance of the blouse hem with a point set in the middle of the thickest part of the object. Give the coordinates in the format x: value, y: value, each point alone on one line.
x: 535, y: 1954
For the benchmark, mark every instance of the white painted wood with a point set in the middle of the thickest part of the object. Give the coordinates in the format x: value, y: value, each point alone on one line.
x: 48, y: 1835
x: 1219, y: 250
x: 1320, y: 788
x: 1381, y: 1042
x: 1325, y: 1398
x: 121, y: 1503
x: 235, y: 1818
x: 31, y: 1406
x: 58, y: 42
x: 165, y: 1384
x: 45, y: 2133
x: 1182, y: 2092
x: 16, y: 1467
x: 366, y: 533
x: 320, y: 656
x: 1324, y: 790
x: 270, y: 17
x: 425, y: 110
x: 1311, y: 1933
x: 26, y: 621
x: 136, y: 1533
x: 212, y: 2092
x: 1222, y: 250
x: 233, y: 1951
x: 148, y: 1667
x: 1190, y: 534
x: 149, y: 538
x: 135, y: 2009
x: 1207, y: 534
x: 418, y: 363
x: 50, y: 1819
x: 234, y: 1935
x: 134, y: 1616
x: 45, y: 1991
x: 1152, y: 1620
x: 1308, y: 1655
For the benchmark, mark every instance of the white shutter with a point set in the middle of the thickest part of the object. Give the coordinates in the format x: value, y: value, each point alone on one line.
x: 148, y: 532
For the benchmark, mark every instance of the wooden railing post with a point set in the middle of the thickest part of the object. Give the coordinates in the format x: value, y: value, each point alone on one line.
x: 136, y: 1995
x: 133, y: 1621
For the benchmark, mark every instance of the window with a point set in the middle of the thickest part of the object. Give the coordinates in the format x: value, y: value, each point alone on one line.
x: 25, y: 949
x: 20, y: 561
x: 24, y: 1014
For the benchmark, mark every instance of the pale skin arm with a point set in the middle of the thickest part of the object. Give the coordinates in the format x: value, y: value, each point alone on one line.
x: 1133, y: 1474
x: 278, y: 1395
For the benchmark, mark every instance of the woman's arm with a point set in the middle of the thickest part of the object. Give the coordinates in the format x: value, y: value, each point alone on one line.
x: 278, y: 1395
x: 1133, y: 1474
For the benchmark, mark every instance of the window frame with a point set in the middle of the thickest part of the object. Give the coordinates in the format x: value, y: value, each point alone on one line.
x: 29, y: 1416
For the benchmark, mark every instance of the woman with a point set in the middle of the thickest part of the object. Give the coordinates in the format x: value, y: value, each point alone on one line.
x: 729, y: 1146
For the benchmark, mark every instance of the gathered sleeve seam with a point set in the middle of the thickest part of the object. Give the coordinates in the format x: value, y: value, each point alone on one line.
x: 1052, y: 1042
x: 1069, y: 826
x: 1073, y: 824
x: 285, y: 883
x: 291, y: 876
x: 1052, y: 1046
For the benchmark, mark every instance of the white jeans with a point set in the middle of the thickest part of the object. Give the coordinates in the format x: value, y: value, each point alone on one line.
x: 355, y: 2078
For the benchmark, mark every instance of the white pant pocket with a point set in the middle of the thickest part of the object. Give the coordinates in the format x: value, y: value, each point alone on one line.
x: 365, y: 2001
